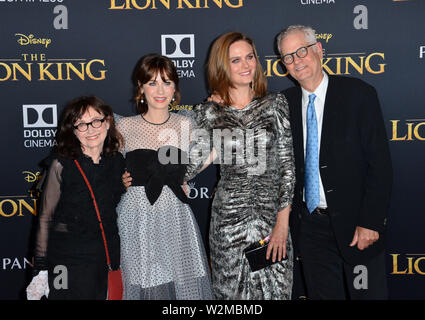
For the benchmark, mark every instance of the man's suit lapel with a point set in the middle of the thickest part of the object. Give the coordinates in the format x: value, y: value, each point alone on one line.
x: 297, y: 127
x: 333, y: 101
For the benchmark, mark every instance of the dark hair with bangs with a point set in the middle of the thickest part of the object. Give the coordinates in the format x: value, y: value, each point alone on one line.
x: 68, y: 145
x: 149, y: 67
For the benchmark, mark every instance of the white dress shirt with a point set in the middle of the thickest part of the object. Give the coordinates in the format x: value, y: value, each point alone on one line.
x: 319, y: 106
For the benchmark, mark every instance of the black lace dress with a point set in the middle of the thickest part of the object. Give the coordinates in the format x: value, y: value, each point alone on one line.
x: 69, y: 241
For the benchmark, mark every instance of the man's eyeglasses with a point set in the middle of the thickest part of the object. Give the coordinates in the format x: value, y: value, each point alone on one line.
x: 301, y: 53
x: 96, y: 123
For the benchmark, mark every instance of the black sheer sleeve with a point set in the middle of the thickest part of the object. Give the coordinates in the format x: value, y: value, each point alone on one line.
x: 119, y: 187
x: 50, y: 198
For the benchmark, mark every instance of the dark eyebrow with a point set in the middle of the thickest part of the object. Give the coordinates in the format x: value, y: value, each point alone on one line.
x: 252, y: 52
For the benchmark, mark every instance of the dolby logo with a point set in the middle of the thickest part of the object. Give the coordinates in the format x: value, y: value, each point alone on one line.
x: 178, y: 45
x: 39, y: 115
x: 180, y: 48
x: 37, y: 118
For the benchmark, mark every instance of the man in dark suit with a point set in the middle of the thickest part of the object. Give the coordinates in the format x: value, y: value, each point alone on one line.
x: 343, y: 175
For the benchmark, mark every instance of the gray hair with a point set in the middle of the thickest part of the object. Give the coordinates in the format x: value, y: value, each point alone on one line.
x: 309, y: 32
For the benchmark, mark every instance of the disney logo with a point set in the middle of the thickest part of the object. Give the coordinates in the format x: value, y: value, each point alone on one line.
x: 31, y: 177
x: 31, y: 39
x: 324, y: 36
x: 179, y: 107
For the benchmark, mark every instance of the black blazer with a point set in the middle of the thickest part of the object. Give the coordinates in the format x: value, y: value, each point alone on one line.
x: 355, y: 163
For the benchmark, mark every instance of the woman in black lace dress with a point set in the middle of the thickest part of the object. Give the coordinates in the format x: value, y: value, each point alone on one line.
x: 70, y: 259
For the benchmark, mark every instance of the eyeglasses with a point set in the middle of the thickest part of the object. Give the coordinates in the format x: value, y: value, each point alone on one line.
x: 96, y: 123
x: 301, y: 53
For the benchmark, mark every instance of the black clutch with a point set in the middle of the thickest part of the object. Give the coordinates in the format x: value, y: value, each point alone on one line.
x: 256, y: 255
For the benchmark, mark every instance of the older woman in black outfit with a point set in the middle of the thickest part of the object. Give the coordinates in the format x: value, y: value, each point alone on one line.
x: 69, y: 238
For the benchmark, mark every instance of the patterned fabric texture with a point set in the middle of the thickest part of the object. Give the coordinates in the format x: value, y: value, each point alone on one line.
x: 162, y: 254
x: 253, y: 187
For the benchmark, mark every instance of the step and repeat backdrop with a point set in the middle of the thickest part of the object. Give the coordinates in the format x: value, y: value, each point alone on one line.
x: 54, y: 50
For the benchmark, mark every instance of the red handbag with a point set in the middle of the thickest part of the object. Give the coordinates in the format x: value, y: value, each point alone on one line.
x: 115, y: 287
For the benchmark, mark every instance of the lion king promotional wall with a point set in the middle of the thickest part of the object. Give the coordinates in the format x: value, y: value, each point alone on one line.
x: 54, y: 50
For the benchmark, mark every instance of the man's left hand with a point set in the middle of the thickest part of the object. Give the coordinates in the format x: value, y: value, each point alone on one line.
x: 364, y: 238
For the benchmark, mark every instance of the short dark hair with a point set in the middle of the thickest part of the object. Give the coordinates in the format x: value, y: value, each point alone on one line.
x: 68, y: 145
x: 148, y: 67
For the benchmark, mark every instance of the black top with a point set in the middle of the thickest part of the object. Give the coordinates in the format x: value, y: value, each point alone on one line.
x: 154, y: 169
x: 67, y: 211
